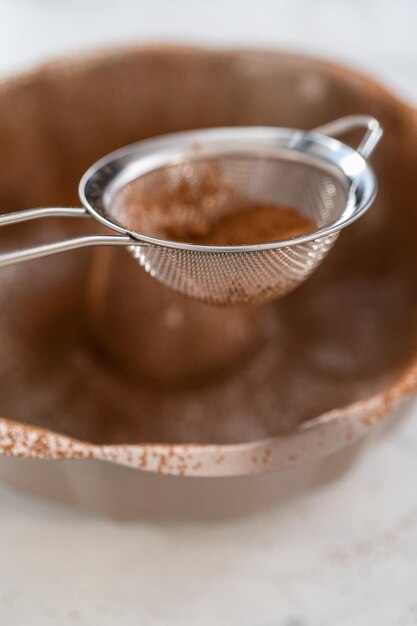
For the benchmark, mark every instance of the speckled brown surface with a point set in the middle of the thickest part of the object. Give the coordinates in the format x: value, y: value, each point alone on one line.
x: 348, y: 333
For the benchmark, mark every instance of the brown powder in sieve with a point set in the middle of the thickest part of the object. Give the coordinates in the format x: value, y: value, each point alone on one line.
x: 195, y: 204
x: 252, y: 223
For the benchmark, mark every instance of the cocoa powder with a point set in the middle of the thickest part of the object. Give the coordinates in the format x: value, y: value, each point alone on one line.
x: 196, y: 204
x: 252, y: 223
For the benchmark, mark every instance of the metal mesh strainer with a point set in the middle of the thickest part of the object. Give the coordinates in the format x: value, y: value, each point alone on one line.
x: 234, y: 277
x: 324, y: 179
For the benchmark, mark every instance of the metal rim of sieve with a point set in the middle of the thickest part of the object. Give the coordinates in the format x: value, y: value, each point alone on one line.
x: 106, y: 177
x: 318, y: 147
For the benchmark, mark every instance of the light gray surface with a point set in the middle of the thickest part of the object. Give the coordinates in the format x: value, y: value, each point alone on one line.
x: 337, y: 541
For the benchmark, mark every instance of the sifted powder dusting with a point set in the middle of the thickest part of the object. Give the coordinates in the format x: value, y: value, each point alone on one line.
x: 195, y: 204
x: 53, y: 375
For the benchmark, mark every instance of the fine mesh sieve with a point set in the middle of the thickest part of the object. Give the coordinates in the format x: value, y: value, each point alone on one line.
x: 233, y: 277
x: 327, y: 182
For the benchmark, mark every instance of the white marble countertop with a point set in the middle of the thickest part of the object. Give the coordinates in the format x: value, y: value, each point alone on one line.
x: 328, y: 544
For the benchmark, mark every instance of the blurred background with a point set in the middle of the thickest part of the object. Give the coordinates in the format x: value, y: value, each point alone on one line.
x: 376, y: 35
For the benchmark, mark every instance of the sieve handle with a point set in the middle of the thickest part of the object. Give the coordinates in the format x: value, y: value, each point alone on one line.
x: 18, y: 256
x: 352, y: 122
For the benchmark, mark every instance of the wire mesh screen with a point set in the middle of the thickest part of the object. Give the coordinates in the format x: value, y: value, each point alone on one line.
x: 171, y: 202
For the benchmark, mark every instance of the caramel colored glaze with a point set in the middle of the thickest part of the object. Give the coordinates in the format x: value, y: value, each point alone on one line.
x: 347, y: 333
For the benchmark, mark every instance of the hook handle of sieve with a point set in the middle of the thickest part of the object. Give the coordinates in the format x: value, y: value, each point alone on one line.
x: 342, y: 125
x: 17, y: 256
